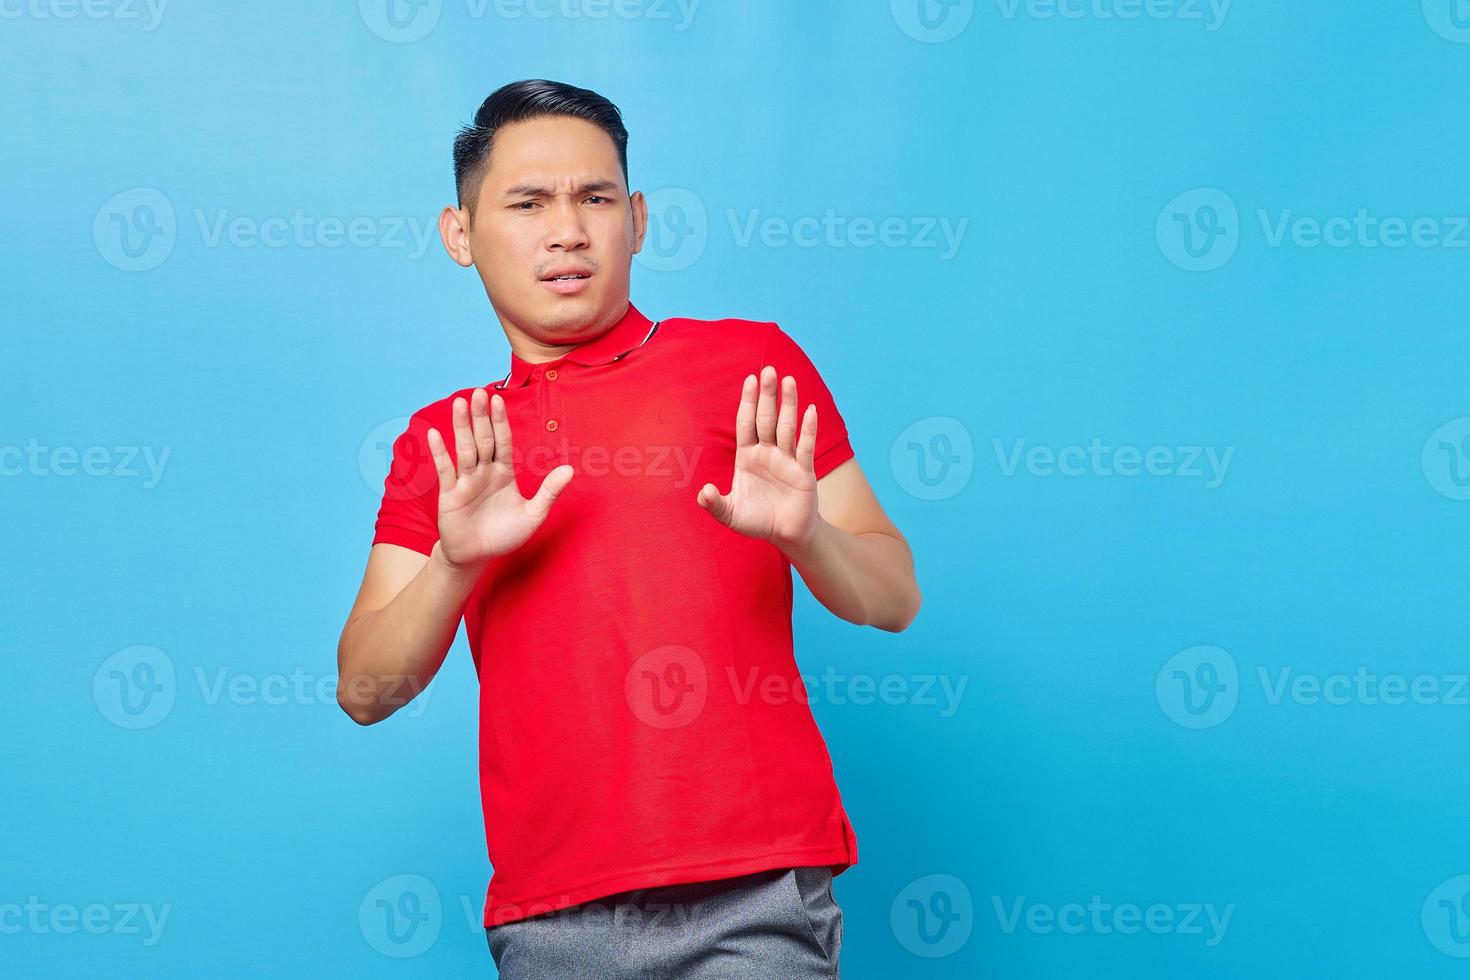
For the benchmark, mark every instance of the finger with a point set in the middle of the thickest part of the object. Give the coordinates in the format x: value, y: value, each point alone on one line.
x: 745, y: 417
x: 765, y: 409
x: 716, y: 503
x: 500, y: 422
x: 442, y: 465
x: 806, y: 443
x: 464, y: 442
x: 480, y: 424
x: 551, y: 487
x: 786, y: 418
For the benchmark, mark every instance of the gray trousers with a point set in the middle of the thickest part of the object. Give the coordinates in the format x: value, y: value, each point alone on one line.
x: 782, y: 925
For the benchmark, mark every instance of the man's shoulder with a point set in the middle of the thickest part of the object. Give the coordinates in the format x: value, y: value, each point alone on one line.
x: 739, y: 336
x: 726, y: 333
x: 439, y: 414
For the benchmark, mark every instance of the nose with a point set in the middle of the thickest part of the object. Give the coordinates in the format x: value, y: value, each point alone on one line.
x: 566, y: 230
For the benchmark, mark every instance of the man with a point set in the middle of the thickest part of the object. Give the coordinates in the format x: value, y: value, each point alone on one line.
x: 658, y: 799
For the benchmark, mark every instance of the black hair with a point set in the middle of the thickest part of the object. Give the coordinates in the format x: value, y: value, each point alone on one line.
x: 519, y: 101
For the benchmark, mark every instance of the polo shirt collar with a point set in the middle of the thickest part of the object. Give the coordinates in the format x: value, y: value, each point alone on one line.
x: 627, y: 334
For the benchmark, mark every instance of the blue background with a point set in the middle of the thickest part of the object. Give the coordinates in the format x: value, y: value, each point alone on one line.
x: 1074, y: 766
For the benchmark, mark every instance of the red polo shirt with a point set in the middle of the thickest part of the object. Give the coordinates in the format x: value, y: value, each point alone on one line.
x: 642, y: 721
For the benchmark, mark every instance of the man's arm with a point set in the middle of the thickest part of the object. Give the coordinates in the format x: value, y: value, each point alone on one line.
x: 399, y: 629
x: 409, y: 605
x: 833, y: 531
x: 857, y: 564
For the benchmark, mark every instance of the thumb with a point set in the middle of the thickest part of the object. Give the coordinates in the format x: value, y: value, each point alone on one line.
x: 718, y: 505
x: 551, y: 487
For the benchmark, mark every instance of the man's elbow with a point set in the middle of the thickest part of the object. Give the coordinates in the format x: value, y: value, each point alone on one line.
x: 363, y: 714
x: 905, y: 613
x: 355, y: 692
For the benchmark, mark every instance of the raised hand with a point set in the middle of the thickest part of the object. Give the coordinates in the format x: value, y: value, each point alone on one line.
x: 773, y: 495
x: 481, y: 511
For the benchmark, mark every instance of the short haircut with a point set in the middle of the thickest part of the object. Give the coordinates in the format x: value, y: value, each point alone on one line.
x: 519, y: 101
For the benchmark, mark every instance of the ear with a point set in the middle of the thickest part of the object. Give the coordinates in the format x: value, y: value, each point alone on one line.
x: 454, y: 229
x: 640, y: 219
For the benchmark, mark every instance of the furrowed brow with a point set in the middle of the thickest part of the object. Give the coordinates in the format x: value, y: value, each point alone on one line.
x: 534, y: 190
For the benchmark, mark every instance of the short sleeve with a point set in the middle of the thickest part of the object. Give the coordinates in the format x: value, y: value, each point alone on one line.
x: 409, y: 513
x: 783, y: 353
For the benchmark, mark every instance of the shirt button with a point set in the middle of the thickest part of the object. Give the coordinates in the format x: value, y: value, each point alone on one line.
x: 551, y: 374
x: 551, y: 425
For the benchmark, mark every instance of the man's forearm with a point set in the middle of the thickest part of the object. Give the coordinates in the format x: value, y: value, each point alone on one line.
x: 386, y: 657
x: 866, y: 579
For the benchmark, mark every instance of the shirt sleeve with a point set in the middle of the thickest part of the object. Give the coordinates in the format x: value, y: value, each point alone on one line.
x: 409, y: 513
x: 783, y: 353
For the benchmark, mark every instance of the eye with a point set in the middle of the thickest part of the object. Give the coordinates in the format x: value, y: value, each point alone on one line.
x: 598, y: 197
x: 524, y: 205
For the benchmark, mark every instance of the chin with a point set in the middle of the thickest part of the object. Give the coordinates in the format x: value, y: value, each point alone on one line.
x: 570, y: 313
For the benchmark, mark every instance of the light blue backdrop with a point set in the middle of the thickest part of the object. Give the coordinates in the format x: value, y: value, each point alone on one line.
x: 1148, y: 321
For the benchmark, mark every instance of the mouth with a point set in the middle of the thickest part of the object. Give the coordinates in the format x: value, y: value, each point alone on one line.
x: 566, y: 281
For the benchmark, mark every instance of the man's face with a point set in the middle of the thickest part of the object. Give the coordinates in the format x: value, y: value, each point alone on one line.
x: 553, y: 202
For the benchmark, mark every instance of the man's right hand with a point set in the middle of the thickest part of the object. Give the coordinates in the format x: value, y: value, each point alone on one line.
x: 482, y: 514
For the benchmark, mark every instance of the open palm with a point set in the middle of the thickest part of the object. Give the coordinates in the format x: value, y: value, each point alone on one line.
x: 773, y: 493
x: 481, y: 511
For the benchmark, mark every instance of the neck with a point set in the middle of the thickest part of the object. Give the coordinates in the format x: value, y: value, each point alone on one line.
x: 534, y: 351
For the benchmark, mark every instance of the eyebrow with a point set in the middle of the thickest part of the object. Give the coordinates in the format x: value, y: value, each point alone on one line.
x: 534, y: 190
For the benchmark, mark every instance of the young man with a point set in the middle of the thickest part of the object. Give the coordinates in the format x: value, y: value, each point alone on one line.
x: 658, y: 799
